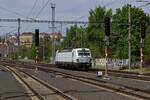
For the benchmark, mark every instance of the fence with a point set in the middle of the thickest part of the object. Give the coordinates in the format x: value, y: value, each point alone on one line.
x: 112, y: 63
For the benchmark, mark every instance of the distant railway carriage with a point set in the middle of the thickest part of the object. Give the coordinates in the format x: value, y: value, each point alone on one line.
x: 74, y: 58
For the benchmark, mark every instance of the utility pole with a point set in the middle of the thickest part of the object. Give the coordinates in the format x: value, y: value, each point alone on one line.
x: 53, y: 30
x: 81, y: 39
x: 44, y: 48
x: 37, y: 46
x: 61, y: 27
x: 129, y: 36
x: 6, y: 41
x: 18, y: 37
x: 18, y: 32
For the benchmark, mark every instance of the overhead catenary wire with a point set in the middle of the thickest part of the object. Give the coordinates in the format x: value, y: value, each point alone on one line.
x: 34, y: 5
x: 7, y: 26
x: 142, y: 0
x: 144, y: 5
x: 81, y: 17
x: 44, y: 6
x: 47, y: 21
x: 46, y: 3
x: 114, y: 1
x: 15, y: 13
x: 21, y: 15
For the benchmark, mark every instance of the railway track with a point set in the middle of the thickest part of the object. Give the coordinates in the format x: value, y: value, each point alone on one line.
x: 120, y: 71
x: 92, y: 70
x: 115, y: 87
x: 122, y: 74
x: 39, y: 89
x: 131, y: 75
x: 145, y: 77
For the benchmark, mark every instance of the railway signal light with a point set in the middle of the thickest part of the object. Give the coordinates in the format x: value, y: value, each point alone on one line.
x: 143, y: 30
x: 37, y: 37
x: 107, y: 26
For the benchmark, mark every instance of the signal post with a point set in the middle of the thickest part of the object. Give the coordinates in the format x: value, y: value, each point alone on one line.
x: 143, y: 31
x: 37, y: 47
x: 107, y: 34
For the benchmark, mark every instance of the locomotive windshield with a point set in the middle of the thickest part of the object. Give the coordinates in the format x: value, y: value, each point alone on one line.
x: 83, y: 53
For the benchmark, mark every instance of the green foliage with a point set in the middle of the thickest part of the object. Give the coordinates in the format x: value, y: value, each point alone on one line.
x: 24, y: 52
x: 33, y: 51
x: 75, y: 37
x: 45, y: 49
x: 121, y: 17
x: 93, y: 34
x: 147, y: 45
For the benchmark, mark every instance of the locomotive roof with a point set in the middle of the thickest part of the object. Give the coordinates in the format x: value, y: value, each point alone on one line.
x: 70, y: 49
x: 65, y: 50
x: 81, y: 48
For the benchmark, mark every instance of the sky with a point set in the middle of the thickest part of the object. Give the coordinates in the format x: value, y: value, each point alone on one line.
x: 68, y: 10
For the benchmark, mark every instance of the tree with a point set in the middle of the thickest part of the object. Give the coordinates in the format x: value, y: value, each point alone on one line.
x: 95, y: 32
x: 147, y: 45
x: 73, y: 37
x: 45, y: 48
x: 121, y: 17
x: 33, y: 51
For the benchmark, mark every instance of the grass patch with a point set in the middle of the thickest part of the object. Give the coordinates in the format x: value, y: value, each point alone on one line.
x: 135, y: 69
x: 145, y: 69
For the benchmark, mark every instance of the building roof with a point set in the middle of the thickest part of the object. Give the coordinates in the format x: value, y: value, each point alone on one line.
x: 2, y: 46
x: 31, y: 33
x: 27, y: 33
x: 56, y: 33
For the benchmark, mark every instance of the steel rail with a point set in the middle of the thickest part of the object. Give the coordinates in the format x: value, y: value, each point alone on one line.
x: 116, y: 87
x: 124, y: 74
x: 131, y: 75
x: 68, y: 97
x: 31, y: 89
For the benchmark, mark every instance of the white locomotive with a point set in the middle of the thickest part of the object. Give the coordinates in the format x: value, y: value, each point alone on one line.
x: 74, y: 58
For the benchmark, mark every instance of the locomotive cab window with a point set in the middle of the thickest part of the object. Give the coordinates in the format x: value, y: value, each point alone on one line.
x: 83, y: 53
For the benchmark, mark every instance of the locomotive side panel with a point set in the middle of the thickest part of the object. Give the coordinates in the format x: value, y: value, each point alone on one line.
x: 64, y: 58
x: 75, y: 58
